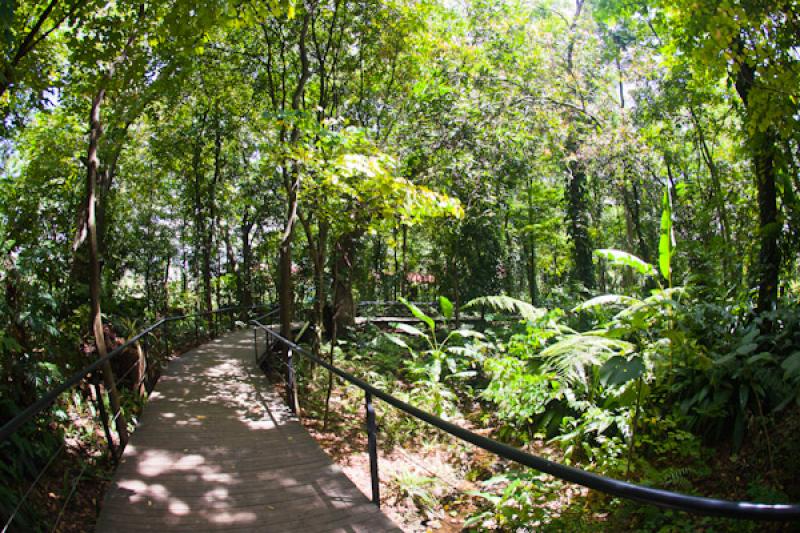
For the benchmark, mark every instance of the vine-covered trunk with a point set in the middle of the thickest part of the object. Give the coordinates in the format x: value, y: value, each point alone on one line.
x: 92, y: 164
x: 769, y: 255
x: 578, y: 221
x: 763, y: 149
x: 530, y: 250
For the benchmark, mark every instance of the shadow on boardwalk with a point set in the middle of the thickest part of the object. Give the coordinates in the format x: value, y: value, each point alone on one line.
x: 217, y: 450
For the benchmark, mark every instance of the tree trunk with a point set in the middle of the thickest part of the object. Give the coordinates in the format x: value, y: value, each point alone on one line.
x: 285, y: 281
x: 246, y: 271
x: 763, y: 148
x: 231, y: 265
x: 578, y: 220
x: 344, y: 303
x: 533, y: 287
x: 317, y: 247
x: 404, y: 276
x: 291, y: 179
x: 93, y: 163
x: 165, y: 286
x: 769, y: 256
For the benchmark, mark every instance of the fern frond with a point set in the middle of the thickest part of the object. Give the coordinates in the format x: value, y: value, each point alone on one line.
x: 605, y: 300
x: 509, y: 305
x: 571, y: 357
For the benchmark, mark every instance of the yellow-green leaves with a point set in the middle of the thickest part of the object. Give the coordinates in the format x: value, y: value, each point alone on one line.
x: 347, y: 174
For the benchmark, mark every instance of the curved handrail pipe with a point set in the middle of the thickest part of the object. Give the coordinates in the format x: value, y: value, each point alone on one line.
x: 614, y: 487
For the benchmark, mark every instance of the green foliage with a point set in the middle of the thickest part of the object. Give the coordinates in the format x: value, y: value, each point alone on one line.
x: 666, y: 242
x: 521, y: 502
x: 519, y: 395
x: 419, y: 489
x: 429, y: 369
x: 574, y: 357
x: 509, y: 305
x: 620, y: 258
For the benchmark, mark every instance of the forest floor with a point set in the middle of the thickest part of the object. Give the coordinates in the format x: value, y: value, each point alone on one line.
x: 430, y: 481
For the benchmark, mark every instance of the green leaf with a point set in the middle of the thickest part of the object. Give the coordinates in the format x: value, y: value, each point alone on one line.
x: 619, y: 370
x: 666, y: 239
x: 398, y: 341
x: 447, y: 307
x: 417, y: 312
x: 410, y: 330
x: 469, y: 333
x: 791, y: 366
x: 572, y: 356
x: 607, y: 299
x: 746, y: 348
x: 620, y: 258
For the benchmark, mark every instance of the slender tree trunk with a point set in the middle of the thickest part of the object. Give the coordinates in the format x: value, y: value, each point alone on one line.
x: 231, y: 265
x: 93, y: 163
x: 165, y: 286
x: 285, y: 280
x: 317, y: 246
x: 397, y: 273
x: 246, y: 271
x: 713, y: 171
x: 291, y: 180
x: 533, y: 287
x: 403, y: 278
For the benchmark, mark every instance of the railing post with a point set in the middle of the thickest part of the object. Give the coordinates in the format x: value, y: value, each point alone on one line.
x: 103, y: 416
x: 166, y: 336
x: 372, y: 442
x: 291, y: 384
x: 143, y: 383
x: 255, y: 341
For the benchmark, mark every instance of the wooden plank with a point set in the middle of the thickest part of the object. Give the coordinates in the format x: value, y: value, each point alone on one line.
x: 217, y: 450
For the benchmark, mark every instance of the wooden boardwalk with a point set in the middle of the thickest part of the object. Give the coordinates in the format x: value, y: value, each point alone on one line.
x: 217, y: 450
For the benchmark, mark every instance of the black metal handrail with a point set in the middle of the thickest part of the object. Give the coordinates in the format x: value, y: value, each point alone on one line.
x: 10, y: 427
x: 614, y: 487
x: 91, y: 371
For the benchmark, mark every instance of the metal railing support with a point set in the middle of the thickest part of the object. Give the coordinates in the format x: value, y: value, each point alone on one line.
x: 372, y: 444
x: 291, y: 384
x: 255, y: 343
x: 166, y: 337
x: 143, y: 379
x: 624, y: 489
